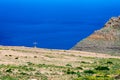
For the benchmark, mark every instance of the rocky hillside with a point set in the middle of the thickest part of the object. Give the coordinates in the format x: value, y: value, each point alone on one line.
x: 106, y: 40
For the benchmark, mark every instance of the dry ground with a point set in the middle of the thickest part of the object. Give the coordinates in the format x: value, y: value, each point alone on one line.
x: 39, y: 56
x: 22, y: 55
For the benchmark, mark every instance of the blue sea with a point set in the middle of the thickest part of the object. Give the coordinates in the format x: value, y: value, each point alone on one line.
x: 54, y: 24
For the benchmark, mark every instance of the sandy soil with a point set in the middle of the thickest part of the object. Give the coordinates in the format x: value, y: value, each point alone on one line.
x: 21, y: 55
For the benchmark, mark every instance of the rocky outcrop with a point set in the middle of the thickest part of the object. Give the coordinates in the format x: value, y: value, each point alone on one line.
x: 106, y: 40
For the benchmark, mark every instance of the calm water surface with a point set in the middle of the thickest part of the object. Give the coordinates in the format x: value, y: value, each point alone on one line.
x: 55, y: 24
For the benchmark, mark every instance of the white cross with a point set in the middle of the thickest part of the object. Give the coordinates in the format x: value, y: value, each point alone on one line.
x: 35, y: 43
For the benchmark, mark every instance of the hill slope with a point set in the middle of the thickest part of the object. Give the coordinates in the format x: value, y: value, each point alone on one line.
x: 106, y: 40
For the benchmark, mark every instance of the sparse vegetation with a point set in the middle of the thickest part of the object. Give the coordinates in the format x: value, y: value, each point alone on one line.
x: 49, y: 66
x: 95, y: 72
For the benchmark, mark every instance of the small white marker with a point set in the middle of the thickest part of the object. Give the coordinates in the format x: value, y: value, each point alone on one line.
x: 35, y: 44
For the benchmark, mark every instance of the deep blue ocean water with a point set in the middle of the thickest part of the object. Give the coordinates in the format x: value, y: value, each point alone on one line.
x: 54, y: 24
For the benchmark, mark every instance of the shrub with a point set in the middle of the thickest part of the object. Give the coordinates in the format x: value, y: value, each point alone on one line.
x: 79, y: 68
x: 102, y: 68
x: 31, y: 69
x: 10, y: 55
x: 68, y: 65
x: 29, y: 63
x: 23, y: 73
x: 35, y: 56
x: 9, y: 70
x: 70, y: 71
x: 17, y: 58
x: 89, y: 71
x: 109, y: 62
x: 78, y: 74
x: 6, y: 55
x: 84, y: 62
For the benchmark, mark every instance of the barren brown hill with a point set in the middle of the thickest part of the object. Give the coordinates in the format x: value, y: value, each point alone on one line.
x: 105, y: 40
